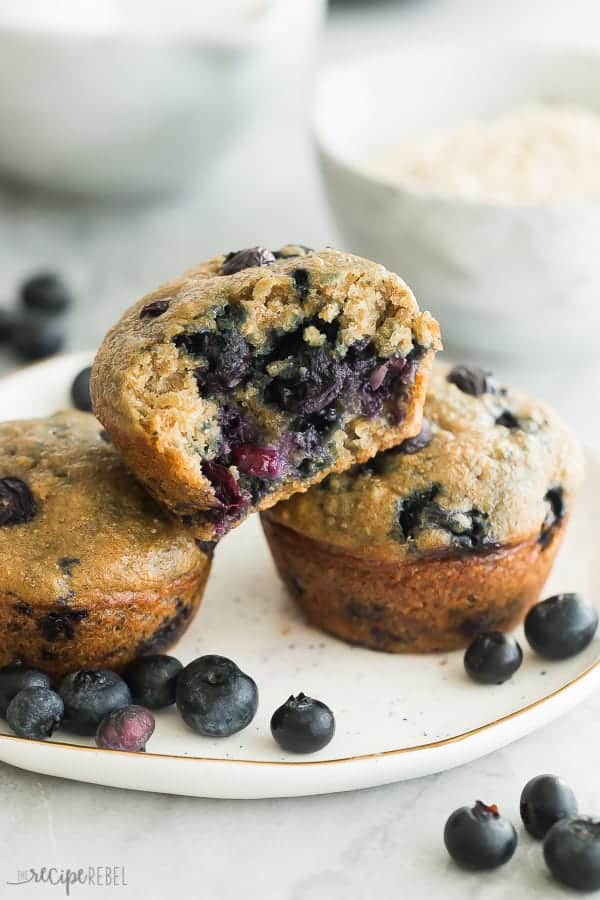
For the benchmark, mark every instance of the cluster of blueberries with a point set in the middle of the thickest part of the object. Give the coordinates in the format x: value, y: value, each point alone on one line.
x: 33, y: 328
x: 214, y: 697
x: 556, y: 628
x: 479, y: 839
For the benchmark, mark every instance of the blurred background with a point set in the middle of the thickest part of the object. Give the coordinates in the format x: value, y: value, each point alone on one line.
x: 138, y: 138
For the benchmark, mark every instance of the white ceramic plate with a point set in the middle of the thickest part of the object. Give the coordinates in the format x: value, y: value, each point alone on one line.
x: 397, y: 717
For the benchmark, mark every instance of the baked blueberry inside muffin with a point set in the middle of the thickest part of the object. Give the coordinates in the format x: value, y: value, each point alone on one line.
x: 93, y: 571
x: 257, y: 374
x: 450, y: 533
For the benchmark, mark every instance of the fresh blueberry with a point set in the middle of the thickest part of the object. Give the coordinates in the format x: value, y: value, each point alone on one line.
x: 470, y: 380
x: 492, y: 658
x: 303, y: 725
x: 46, y: 293
x: 35, y: 337
x: 561, y: 626
x: 544, y: 800
x: 215, y: 698
x: 572, y: 852
x: 35, y: 712
x: 15, y: 678
x: 246, y: 259
x: 89, y: 696
x: 152, y: 680
x: 129, y: 728
x: 17, y: 503
x: 478, y: 838
x: 80, y: 390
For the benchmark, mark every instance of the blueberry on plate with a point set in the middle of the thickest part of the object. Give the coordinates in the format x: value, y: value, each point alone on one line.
x: 544, y: 800
x: 152, y: 680
x: 561, y: 626
x: 215, y: 698
x: 572, y: 852
x: 478, y: 838
x: 492, y: 658
x: 35, y: 337
x: 129, y: 728
x: 46, y: 293
x: 35, y: 713
x: 15, y: 678
x: 89, y: 696
x: 80, y: 390
x: 303, y: 725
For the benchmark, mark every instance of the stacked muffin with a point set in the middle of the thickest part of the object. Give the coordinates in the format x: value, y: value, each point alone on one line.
x: 448, y: 535
x: 291, y: 383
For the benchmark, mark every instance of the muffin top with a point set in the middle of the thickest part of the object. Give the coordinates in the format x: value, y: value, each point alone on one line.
x: 492, y: 466
x: 73, y: 520
x: 302, y: 358
x: 148, y: 376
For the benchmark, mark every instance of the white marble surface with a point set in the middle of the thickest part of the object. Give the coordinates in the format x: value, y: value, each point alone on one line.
x: 379, y: 843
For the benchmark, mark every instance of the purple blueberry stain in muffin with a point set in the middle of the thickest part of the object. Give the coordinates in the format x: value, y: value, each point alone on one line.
x: 556, y: 511
x: 17, y: 503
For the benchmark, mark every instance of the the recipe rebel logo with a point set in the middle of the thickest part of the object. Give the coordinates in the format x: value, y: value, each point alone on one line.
x: 67, y: 879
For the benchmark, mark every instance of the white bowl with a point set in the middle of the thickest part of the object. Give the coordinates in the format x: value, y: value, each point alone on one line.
x: 97, y: 109
x: 508, y: 282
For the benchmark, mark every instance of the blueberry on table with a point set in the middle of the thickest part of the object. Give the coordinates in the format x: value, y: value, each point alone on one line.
x: 561, y: 626
x: 35, y: 337
x: 46, y: 293
x: 152, y: 680
x: 215, y: 698
x: 89, y: 696
x: 544, y: 800
x: 80, y: 390
x: 15, y: 678
x: 35, y: 713
x: 572, y: 852
x: 303, y: 725
x: 129, y: 728
x: 492, y: 658
x: 478, y: 838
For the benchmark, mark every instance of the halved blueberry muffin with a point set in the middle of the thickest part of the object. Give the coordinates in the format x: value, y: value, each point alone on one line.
x: 257, y: 374
x: 442, y: 537
x: 93, y: 572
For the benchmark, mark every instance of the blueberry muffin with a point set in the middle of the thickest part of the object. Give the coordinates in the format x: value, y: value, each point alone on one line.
x: 447, y: 535
x: 257, y: 374
x: 93, y: 573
